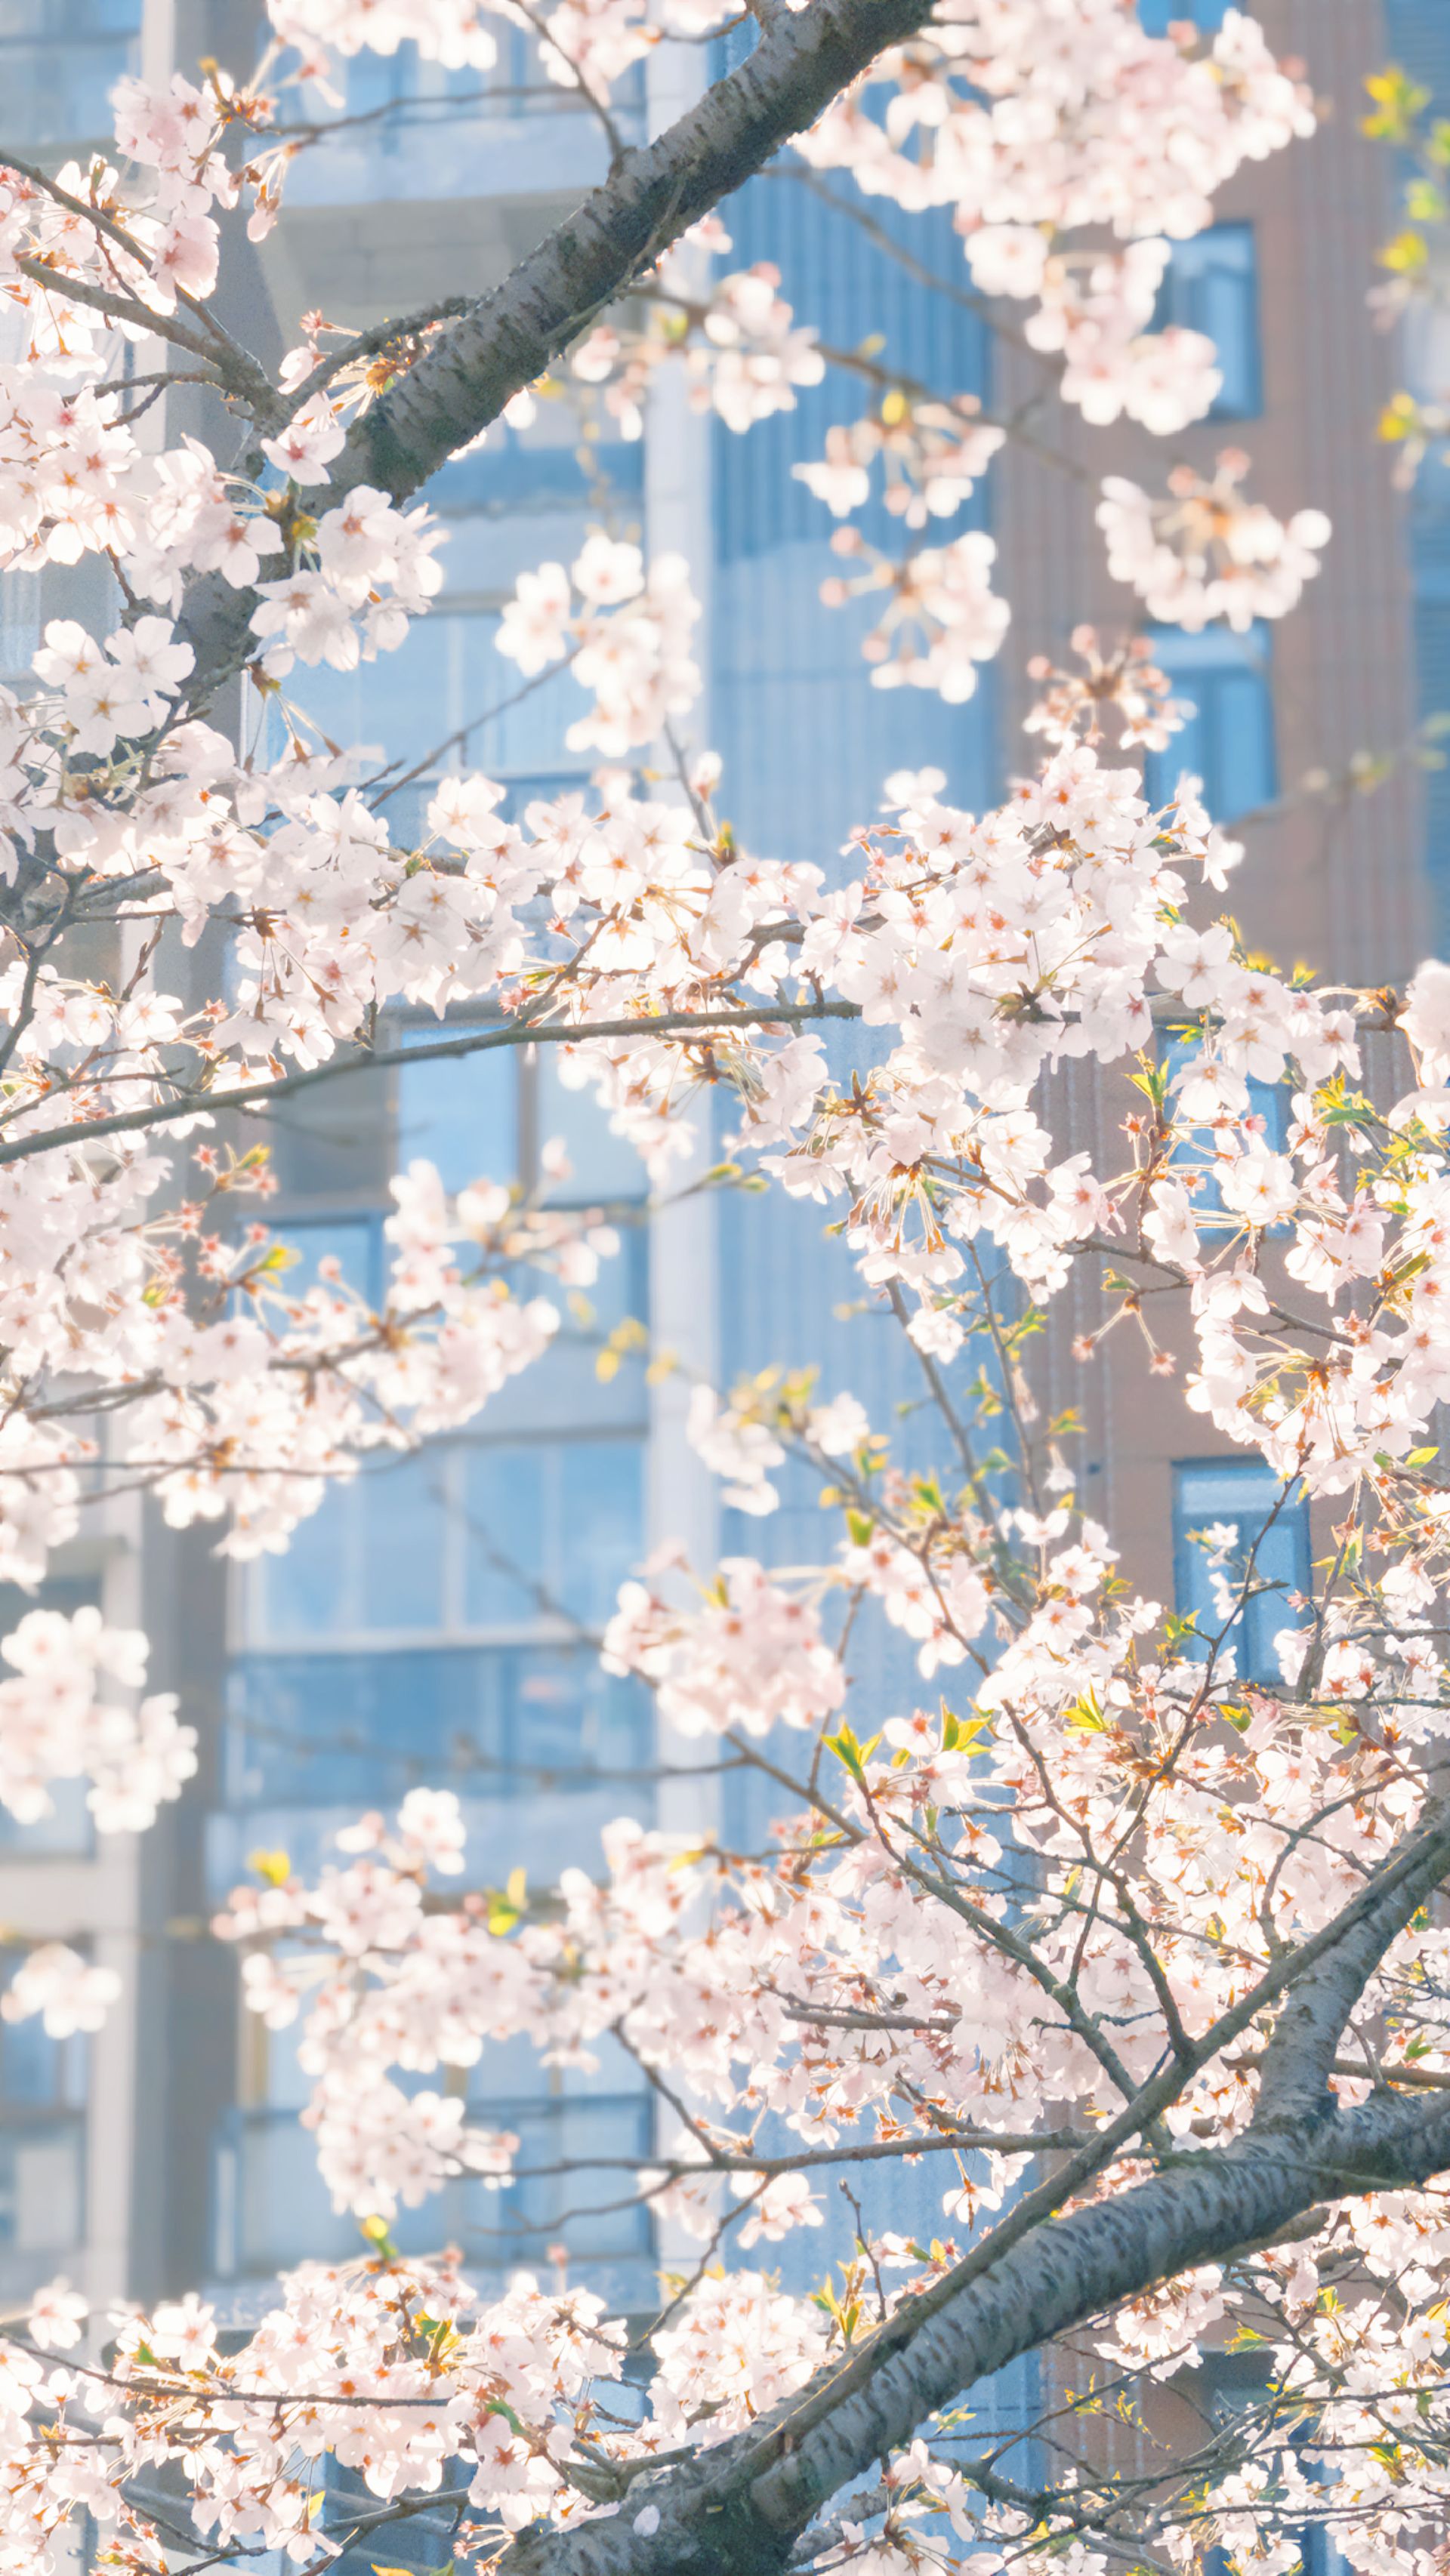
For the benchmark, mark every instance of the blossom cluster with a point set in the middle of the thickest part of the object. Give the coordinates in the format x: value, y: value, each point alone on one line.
x: 1205, y: 552
x: 55, y: 1726
x: 625, y: 632
x: 752, y: 1656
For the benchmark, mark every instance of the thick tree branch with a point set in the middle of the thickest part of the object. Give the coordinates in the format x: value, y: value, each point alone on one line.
x: 1294, y: 2083
x: 510, y: 336
x: 1038, y: 2275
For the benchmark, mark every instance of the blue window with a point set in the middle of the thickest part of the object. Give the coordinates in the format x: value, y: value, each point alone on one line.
x: 42, y: 2148
x: 1417, y: 34
x: 1271, y: 1547
x: 1431, y: 574
x: 489, y: 1116
x: 1228, y: 741
x: 411, y: 128
x: 481, y: 1540
x: 460, y: 1113
x: 1158, y: 15
x: 60, y: 60
x: 272, y: 2209
x: 484, y: 1116
x: 446, y: 700
x: 1212, y: 285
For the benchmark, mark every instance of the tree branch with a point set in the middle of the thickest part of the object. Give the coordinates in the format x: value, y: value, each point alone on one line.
x: 249, y: 1095
x: 510, y: 336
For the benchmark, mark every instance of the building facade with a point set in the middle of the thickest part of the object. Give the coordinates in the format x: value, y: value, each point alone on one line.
x: 436, y: 1620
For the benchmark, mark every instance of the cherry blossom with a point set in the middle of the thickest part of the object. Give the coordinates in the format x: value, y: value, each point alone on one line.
x: 57, y: 1983
x: 1055, y: 1940
x: 1205, y: 552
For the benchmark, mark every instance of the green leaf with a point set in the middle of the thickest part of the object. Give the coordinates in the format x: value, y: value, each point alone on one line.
x: 848, y: 1748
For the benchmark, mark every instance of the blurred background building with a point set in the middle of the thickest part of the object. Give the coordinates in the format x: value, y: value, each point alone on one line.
x: 434, y: 1622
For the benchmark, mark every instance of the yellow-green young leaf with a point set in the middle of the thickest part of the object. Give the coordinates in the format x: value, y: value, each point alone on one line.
x: 848, y: 1748
x: 1408, y: 252
x: 1086, y: 1716
x: 278, y: 1258
x: 273, y: 1866
x: 1421, y: 1457
x: 1237, y: 1718
x: 860, y: 1528
x: 1397, y: 102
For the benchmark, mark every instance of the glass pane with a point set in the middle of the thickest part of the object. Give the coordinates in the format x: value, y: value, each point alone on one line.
x: 603, y: 1163
x: 1158, y: 15
x: 1212, y: 285
x: 40, y: 2190
x: 1229, y: 740
x: 312, y: 1589
x: 460, y: 1113
x: 60, y: 60
x: 32, y: 2066
x: 515, y: 2225
x: 361, y: 1729
x: 19, y: 615
x: 404, y: 1515
x: 68, y: 1828
x: 507, y: 1535
x: 333, y: 1141
x: 1228, y: 310
x: 352, y: 1242
x: 565, y: 1719
x: 602, y: 1524
x: 1239, y: 769
x: 405, y: 699
x: 286, y: 2212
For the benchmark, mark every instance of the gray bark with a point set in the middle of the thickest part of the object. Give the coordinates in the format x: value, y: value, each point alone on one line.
x: 738, y: 2511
